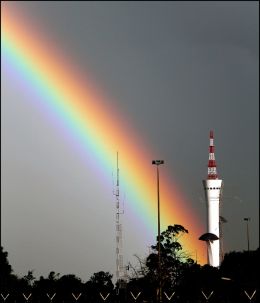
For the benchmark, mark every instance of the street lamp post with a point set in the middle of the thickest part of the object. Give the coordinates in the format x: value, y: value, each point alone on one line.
x: 157, y: 163
x: 247, y: 232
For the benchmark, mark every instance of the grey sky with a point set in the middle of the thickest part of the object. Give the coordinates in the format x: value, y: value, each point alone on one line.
x: 175, y: 70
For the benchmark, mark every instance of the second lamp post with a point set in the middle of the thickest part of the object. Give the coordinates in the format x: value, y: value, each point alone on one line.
x: 157, y: 163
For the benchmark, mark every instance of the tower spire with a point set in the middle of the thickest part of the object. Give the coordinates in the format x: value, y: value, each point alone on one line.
x: 212, y: 167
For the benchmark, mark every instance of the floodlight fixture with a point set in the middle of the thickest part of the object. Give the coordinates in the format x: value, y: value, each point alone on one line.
x: 158, y: 162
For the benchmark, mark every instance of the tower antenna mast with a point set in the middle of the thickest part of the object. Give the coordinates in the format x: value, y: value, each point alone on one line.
x: 120, y: 269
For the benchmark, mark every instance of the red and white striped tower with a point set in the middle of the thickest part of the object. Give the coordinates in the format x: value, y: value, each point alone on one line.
x: 212, y: 168
x: 212, y: 188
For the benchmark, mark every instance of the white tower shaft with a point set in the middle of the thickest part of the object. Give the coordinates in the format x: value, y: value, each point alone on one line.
x: 212, y: 194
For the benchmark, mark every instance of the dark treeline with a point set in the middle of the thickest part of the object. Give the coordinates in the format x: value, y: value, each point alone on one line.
x: 182, y: 279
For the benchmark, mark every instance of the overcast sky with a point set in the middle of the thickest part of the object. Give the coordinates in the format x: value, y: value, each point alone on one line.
x: 174, y: 70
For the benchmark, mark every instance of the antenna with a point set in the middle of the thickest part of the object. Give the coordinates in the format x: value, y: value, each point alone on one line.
x: 212, y: 167
x: 120, y: 269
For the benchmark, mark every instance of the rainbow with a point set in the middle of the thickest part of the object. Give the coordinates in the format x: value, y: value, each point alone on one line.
x: 99, y: 130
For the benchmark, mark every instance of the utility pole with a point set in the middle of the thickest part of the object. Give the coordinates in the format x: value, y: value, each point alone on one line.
x: 247, y: 232
x: 157, y: 163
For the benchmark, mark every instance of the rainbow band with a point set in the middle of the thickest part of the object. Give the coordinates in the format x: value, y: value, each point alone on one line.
x: 97, y: 127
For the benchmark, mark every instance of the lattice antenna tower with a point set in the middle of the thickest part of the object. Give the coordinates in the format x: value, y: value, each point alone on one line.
x: 120, y: 269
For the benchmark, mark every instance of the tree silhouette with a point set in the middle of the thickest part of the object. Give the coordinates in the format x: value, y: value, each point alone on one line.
x: 6, y: 268
x: 29, y: 278
x: 173, y: 258
x: 100, y: 282
x: 239, y: 266
x: 7, y: 279
x: 173, y: 262
x: 236, y: 278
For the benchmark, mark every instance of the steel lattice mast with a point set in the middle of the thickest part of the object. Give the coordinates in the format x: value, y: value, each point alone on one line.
x: 120, y: 269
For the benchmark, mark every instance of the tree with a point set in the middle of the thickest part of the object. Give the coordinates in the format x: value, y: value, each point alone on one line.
x: 29, y: 278
x: 49, y: 284
x: 197, y: 280
x: 173, y: 259
x: 69, y: 283
x: 102, y: 280
x: 7, y: 279
x: 6, y: 268
x: 53, y: 276
x: 173, y: 263
x: 240, y: 267
x: 66, y: 285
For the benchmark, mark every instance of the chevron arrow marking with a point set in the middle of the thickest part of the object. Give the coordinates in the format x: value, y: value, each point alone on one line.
x: 207, y: 298
x: 104, y: 298
x: 27, y: 298
x: 51, y: 298
x: 250, y: 297
x: 76, y: 297
x: 169, y: 297
x: 4, y: 298
x: 135, y: 298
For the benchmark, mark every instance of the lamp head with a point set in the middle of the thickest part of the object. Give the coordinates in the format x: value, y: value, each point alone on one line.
x: 158, y: 162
